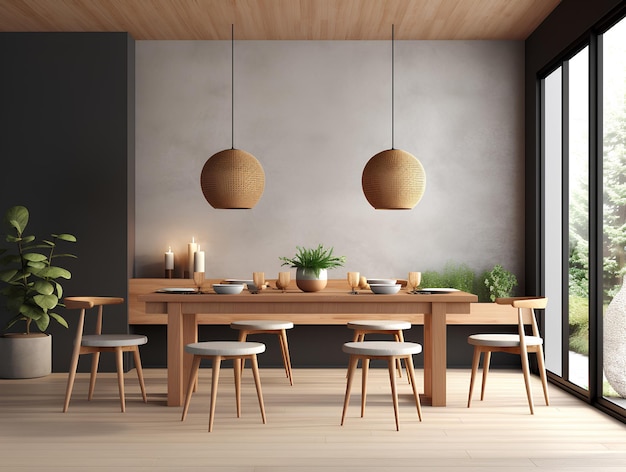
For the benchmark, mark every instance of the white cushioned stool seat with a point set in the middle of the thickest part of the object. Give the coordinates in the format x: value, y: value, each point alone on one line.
x: 114, y: 340
x: 225, y: 348
x: 392, y: 327
x: 385, y: 325
x: 277, y: 327
x: 382, y: 348
x: 502, y: 340
x: 261, y: 324
x: 390, y: 351
x: 218, y: 351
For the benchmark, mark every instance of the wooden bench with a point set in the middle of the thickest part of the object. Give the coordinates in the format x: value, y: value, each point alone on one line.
x: 480, y: 313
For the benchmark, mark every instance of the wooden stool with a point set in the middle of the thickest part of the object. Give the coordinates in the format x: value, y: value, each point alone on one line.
x: 392, y: 327
x: 389, y: 351
x: 97, y: 343
x: 219, y: 350
x: 269, y: 327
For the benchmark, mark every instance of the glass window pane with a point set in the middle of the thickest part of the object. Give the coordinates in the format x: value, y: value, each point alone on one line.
x: 578, y: 205
x: 614, y: 210
x: 553, y: 170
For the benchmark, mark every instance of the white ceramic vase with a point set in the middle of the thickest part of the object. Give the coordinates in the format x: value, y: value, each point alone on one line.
x: 307, y: 281
x: 615, y: 342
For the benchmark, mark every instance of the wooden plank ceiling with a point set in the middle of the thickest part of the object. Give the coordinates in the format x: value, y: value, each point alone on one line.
x: 282, y: 19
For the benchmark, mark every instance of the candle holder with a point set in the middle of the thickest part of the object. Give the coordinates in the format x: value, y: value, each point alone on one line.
x: 169, y: 273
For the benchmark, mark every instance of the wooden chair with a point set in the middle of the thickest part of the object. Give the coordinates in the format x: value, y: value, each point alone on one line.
x: 391, y: 352
x: 97, y: 343
x: 394, y: 328
x: 218, y: 351
x: 278, y: 328
x: 520, y: 344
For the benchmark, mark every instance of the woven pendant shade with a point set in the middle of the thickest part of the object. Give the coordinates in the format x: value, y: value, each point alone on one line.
x: 393, y: 180
x: 232, y: 179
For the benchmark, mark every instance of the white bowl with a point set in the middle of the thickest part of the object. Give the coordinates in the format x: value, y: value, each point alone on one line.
x: 385, y: 288
x: 382, y: 281
x: 229, y: 289
x: 248, y: 283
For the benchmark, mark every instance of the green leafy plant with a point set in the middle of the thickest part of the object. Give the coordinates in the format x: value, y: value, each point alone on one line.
x: 30, y: 278
x: 578, y: 321
x: 499, y: 282
x: 314, y: 259
x: 458, y: 276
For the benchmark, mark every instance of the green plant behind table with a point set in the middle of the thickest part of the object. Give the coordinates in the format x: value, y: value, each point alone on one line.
x: 578, y: 321
x: 314, y: 259
x: 499, y: 282
x: 458, y: 276
x: 31, y: 286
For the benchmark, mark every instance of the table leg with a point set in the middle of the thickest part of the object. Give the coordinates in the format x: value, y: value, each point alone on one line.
x: 174, y: 354
x: 439, y: 352
x: 190, y: 335
x: 181, y: 330
x: 428, y: 359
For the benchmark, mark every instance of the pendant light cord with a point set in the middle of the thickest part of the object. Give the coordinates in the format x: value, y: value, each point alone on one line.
x: 232, y: 86
x: 392, y: 84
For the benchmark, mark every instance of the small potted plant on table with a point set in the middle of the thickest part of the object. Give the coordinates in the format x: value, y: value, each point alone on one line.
x: 312, y: 266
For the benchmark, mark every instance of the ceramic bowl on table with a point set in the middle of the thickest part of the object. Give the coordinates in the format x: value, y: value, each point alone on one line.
x: 245, y: 283
x: 229, y: 289
x: 382, y: 281
x: 386, y: 289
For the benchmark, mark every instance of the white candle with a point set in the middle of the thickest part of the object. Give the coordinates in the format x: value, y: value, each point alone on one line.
x: 169, y: 259
x: 192, y: 247
x: 198, y: 261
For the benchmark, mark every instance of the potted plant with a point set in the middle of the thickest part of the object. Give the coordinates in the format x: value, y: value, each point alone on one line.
x: 312, y: 265
x: 499, y: 282
x: 29, y: 276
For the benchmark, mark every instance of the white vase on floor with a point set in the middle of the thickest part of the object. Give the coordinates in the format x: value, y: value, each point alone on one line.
x: 614, y: 333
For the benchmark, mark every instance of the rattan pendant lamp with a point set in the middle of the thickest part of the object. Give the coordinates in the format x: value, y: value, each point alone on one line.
x: 393, y: 179
x: 232, y: 178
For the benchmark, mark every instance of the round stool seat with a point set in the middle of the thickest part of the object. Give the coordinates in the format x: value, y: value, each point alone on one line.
x: 113, y: 340
x: 225, y: 348
x: 261, y: 325
x: 502, y: 340
x: 277, y: 327
x: 391, y: 325
x: 381, y: 348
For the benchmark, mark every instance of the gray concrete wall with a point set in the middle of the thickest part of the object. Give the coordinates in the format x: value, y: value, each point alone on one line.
x: 313, y: 113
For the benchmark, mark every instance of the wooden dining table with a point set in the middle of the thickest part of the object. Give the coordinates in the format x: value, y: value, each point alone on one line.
x: 331, y: 306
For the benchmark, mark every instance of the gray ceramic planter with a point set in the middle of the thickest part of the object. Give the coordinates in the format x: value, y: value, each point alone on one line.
x: 25, y: 357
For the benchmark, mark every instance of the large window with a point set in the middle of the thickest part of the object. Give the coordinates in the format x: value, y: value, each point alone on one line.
x: 583, y: 139
x: 614, y: 211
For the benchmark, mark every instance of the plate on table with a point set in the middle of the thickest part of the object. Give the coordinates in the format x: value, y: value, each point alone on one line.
x: 436, y: 290
x: 177, y: 290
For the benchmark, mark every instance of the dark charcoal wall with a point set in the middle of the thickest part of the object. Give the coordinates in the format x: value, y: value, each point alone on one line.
x: 67, y: 154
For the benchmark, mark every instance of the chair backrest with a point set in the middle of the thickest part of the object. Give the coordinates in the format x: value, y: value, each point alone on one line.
x: 525, y: 303
x: 85, y: 303
x: 90, y: 302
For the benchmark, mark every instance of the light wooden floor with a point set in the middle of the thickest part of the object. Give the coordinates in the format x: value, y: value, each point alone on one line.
x: 303, y: 431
